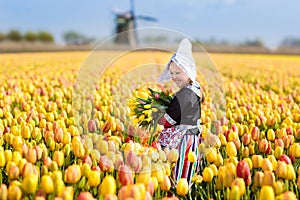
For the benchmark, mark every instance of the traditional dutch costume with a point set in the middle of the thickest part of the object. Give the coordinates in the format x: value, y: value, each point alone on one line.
x: 182, y: 125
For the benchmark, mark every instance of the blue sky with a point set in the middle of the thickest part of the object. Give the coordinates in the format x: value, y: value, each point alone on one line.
x: 233, y: 20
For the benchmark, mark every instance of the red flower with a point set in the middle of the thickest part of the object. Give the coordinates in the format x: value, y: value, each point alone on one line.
x: 285, y: 158
x: 243, y: 171
x: 125, y: 175
x: 156, y: 145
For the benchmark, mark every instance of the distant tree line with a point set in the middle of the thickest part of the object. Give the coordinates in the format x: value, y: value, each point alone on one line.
x: 291, y: 42
x: 29, y: 36
x: 74, y: 38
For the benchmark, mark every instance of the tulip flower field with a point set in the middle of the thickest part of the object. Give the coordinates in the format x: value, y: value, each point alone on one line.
x: 44, y: 154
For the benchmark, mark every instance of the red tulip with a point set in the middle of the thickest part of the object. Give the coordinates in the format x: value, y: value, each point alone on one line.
x: 278, y: 142
x: 255, y: 133
x: 243, y: 171
x: 87, y: 159
x: 92, y: 127
x: 156, y: 145
x: 72, y: 174
x: 246, y: 139
x: 263, y: 145
x: 85, y: 196
x: 131, y: 158
x: 285, y: 158
x: 125, y: 175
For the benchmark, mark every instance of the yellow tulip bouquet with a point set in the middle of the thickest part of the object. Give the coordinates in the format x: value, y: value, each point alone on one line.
x: 147, y: 106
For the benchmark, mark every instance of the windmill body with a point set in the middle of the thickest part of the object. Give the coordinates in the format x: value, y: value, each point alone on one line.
x: 125, y: 24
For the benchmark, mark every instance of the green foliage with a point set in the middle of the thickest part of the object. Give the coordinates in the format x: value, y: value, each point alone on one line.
x: 72, y: 37
x: 30, y: 36
x: 44, y: 36
x: 14, y: 35
x: 2, y: 36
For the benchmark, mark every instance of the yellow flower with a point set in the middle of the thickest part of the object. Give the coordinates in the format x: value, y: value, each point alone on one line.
x: 149, y: 119
x: 241, y: 185
x: 154, y: 109
x: 278, y: 187
x: 14, y: 192
x: 141, y: 118
x: 47, y: 184
x: 173, y: 155
x: 234, y: 193
x: 208, y: 174
x: 192, y: 157
x: 231, y: 149
x: 147, y: 112
x: 108, y: 186
x: 30, y: 183
x: 266, y: 192
x: 94, y: 178
x: 182, y: 187
x: 147, y: 106
x: 165, y: 185
x: 211, y: 155
x: 136, y: 121
x: 291, y: 175
x: 197, y: 179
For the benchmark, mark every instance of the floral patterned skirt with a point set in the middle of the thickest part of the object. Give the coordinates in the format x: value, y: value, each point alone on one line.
x: 172, y: 137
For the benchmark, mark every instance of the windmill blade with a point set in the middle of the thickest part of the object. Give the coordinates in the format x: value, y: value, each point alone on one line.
x: 147, y: 18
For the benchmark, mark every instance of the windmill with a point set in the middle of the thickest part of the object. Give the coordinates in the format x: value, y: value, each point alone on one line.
x: 126, y: 24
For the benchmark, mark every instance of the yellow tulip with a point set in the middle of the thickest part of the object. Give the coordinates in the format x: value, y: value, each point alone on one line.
x: 182, y: 187
x: 30, y: 183
x: 59, y: 158
x: 281, y: 169
x: 155, y: 182
x: 266, y: 192
x: 219, y: 161
x: 267, y: 165
x: 290, y: 175
x: 222, y: 139
x: 173, y: 155
x: 165, y: 185
x: 228, y: 179
x: 157, y: 171
x: 192, y: 157
x: 14, y: 192
x: 94, y: 178
x: 268, y: 178
x: 108, y: 186
x: 231, y: 149
x: 240, y: 183
x: 221, y: 172
x: 2, y: 157
x: 3, y: 192
x: 85, y: 169
x: 278, y: 151
x: 47, y: 185
x: 257, y: 161
x: 278, y: 187
x: 144, y: 176
x: 258, y: 177
x: 214, y: 168
x: 211, y: 155
x: 288, y: 195
x: 234, y: 193
x: 208, y: 174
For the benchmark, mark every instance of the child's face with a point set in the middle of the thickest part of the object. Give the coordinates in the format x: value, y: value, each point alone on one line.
x: 178, y: 76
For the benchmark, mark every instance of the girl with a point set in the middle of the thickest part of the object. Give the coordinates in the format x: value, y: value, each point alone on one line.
x: 182, y: 118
